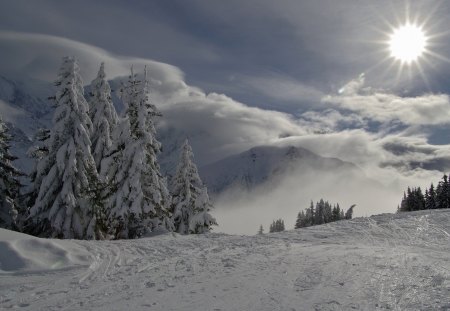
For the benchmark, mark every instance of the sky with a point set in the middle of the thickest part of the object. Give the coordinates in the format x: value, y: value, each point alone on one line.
x: 237, y: 74
x: 281, y: 55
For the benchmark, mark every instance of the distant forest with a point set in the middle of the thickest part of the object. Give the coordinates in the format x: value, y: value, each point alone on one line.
x: 322, y: 213
x: 414, y: 199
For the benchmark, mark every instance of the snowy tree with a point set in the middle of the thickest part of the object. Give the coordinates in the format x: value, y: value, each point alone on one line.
x: 139, y: 200
x: 103, y: 115
x: 37, y: 153
x: 9, y: 183
x: 65, y: 206
x: 190, y: 201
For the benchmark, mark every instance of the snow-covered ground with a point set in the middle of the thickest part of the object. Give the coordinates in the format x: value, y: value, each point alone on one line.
x: 385, y: 262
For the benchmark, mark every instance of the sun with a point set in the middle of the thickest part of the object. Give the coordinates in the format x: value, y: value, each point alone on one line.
x: 407, y: 43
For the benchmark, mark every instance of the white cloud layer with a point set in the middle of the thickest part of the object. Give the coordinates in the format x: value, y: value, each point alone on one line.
x: 390, y: 108
x: 39, y: 56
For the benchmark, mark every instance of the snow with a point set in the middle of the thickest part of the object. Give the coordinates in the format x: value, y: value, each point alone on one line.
x: 385, y: 262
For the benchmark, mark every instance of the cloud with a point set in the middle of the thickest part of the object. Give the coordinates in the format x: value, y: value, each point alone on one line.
x: 330, y: 120
x: 39, y: 56
x: 217, y: 124
x: 281, y: 87
x: 390, y: 108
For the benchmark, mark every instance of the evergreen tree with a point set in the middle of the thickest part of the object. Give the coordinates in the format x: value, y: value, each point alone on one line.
x: 139, y: 200
x: 403, y: 207
x: 336, y: 213
x: 66, y: 175
x: 419, y: 200
x: 301, y: 220
x: 9, y: 182
x: 309, y: 215
x: 430, y: 198
x: 37, y: 153
x: 323, y: 213
x: 327, y: 213
x: 103, y: 115
x: 319, y: 212
x: 277, y: 226
x: 349, y: 212
x: 442, y: 193
x: 261, y: 230
x: 190, y: 201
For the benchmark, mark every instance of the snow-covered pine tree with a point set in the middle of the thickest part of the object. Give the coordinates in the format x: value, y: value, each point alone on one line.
x: 139, y: 201
x: 37, y: 153
x: 190, y: 201
x: 103, y: 115
x: 64, y: 207
x: 9, y: 182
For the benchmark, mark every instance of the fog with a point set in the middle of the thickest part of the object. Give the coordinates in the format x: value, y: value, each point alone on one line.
x: 242, y: 212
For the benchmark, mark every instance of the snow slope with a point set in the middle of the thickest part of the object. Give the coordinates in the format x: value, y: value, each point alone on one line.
x: 385, y: 262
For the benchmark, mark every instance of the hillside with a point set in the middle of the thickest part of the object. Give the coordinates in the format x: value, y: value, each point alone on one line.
x: 385, y: 262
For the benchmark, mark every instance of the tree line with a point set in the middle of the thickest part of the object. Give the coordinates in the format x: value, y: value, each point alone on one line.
x: 96, y: 174
x: 323, y: 212
x: 320, y: 213
x: 414, y: 199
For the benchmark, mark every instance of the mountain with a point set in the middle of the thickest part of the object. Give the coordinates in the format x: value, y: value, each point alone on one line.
x: 384, y: 262
x: 263, y: 164
x: 25, y: 108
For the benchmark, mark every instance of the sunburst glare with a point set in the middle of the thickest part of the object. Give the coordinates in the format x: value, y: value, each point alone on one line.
x: 407, y: 43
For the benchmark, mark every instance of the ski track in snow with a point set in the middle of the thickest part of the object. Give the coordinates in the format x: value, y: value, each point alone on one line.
x: 385, y: 262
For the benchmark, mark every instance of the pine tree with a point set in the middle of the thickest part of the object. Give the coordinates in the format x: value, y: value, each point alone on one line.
x: 37, y: 153
x: 281, y: 225
x: 327, y: 213
x: 301, y: 219
x: 349, y: 212
x: 277, y: 226
x: 403, y: 207
x: 103, y: 115
x: 309, y: 215
x: 190, y: 201
x: 319, y: 212
x: 430, y: 198
x: 336, y: 213
x: 139, y: 199
x: 445, y: 192
x: 261, y: 230
x: 67, y: 174
x: 9, y: 182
